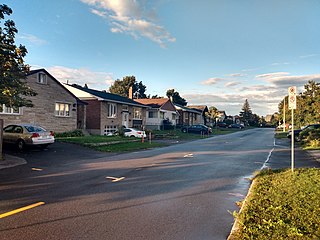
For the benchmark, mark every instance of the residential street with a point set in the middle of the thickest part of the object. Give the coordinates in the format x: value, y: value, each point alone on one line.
x: 185, y: 191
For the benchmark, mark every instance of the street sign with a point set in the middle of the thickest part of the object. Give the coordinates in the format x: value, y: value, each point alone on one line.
x: 292, y: 101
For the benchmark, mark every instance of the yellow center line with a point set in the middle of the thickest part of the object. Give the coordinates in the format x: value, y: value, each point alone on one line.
x: 21, y: 209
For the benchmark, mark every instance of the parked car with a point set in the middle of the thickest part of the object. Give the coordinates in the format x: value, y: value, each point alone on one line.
x: 132, y: 132
x: 198, y: 128
x: 235, y: 125
x: 298, y: 131
x: 23, y: 135
x: 222, y: 125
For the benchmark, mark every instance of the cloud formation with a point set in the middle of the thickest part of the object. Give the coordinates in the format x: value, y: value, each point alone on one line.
x: 231, y: 84
x: 32, y: 39
x: 212, y: 81
x: 81, y: 76
x: 130, y: 17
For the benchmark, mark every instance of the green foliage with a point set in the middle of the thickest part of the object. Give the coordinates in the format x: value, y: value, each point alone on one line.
x: 310, y: 138
x: 75, y: 133
x: 121, y: 87
x: 282, y: 205
x: 176, y: 98
x: 13, y: 70
x: 308, y: 106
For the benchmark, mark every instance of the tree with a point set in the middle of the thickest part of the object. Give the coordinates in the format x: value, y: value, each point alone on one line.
x: 246, y: 113
x: 122, y: 87
x: 212, y: 112
x: 176, y: 98
x: 13, y: 70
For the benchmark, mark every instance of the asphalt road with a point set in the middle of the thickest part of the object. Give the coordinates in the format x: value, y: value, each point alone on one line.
x: 185, y: 191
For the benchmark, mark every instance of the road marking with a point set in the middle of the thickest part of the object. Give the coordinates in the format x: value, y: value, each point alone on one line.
x: 21, y: 209
x: 188, y: 155
x: 268, y: 158
x: 114, y: 179
x: 36, y: 169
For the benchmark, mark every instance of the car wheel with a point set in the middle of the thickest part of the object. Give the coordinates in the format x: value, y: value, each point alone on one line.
x: 132, y: 136
x: 184, y: 130
x: 21, y: 145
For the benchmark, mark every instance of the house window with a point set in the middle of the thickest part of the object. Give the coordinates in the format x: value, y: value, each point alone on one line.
x: 112, y: 110
x: 195, y: 117
x: 42, y: 78
x: 9, y: 110
x: 109, y: 130
x: 153, y: 114
x: 137, y: 113
x: 62, y: 109
x: 174, y: 116
x: 162, y: 115
x: 125, y: 108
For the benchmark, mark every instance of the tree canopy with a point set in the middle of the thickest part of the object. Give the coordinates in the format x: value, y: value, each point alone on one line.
x: 122, y: 87
x: 13, y: 70
x: 176, y: 98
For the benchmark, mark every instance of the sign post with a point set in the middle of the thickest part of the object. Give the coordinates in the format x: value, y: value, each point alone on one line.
x: 292, y: 104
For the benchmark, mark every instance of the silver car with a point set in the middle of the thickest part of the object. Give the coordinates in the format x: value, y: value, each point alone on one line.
x: 23, y: 135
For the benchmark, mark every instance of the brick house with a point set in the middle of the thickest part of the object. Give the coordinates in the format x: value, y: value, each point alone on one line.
x: 106, y: 112
x: 55, y: 108
x: 188, y: 116
x: 161, y: 109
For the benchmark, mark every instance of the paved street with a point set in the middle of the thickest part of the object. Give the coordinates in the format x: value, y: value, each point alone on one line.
x: 185, y: 191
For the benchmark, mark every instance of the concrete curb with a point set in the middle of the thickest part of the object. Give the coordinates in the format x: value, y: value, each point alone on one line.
x: 11, y: 161
x: 235, y: 226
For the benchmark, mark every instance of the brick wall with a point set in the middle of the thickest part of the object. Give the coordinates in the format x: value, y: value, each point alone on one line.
x: 43, y: 112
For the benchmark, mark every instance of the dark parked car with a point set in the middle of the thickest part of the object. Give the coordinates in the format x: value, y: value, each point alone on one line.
x: 235, y: 125
x: 27, y: 135
x: 198, y: 128
x: 222, y: 125
x: 298, y: 131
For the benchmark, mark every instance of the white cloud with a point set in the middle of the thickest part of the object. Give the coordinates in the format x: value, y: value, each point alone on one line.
x: 236, y: 75
x: 212, y: 81
x: 32, y: 39
x: 81, y: 76
x: 309, y: 56
x: 231, y: 84
x: 128, y: 16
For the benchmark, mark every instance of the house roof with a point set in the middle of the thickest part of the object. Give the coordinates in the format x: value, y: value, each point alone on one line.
x: 153, y: 102
x: 59, y: 83
x: 105, y: 96
x: 202, y: 108
x: 186, y: 109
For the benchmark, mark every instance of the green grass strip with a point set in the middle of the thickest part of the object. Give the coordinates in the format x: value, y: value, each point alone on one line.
x: 282, y: 205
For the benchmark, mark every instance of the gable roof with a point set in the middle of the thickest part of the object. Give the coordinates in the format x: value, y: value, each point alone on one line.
x: 59, y: 83
x: 105, y: 96
x: 153, y: 102
x: 186, y: 109
x: 202, y: 108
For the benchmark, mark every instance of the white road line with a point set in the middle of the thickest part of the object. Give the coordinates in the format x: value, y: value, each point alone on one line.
x: 189, y: 155
x: 114, y: 179
x: 36, y: 169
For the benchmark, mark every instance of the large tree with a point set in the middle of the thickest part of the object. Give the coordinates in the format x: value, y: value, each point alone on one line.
x: 176, y: 98
x: 122, y: 87
x: 246, y: 113
x: 13, y: 70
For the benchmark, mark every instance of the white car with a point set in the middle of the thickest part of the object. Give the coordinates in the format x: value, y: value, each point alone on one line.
x: 132, y: 132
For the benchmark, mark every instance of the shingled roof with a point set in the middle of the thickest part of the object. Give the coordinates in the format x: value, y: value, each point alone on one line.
x: 153, y: 102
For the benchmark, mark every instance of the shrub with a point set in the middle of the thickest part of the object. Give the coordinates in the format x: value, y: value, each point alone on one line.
x: 75, y: 133
x: 310, y: 138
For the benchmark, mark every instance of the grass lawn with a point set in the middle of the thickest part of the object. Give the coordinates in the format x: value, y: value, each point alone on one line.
x: 95, y: 139
x: 128, y: 146
x: 282, y: 205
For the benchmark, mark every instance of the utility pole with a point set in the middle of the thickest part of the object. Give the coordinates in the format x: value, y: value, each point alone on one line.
x: 284, y: 114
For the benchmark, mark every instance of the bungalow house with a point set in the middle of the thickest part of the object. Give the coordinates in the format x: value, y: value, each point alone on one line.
x: 161, y: 112
x: 106, y: 112
x: 188, y: 116
x: 221, y: 116
x: 203, y: 110
x: 55, y: 107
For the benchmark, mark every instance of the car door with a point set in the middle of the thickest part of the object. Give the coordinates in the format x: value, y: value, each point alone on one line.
x: 8, y: 134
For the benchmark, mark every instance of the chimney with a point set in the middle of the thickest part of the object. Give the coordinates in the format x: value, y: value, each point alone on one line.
x: 130, y: 93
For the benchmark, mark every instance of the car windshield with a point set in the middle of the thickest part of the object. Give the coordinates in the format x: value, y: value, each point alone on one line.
x: 34, y: 129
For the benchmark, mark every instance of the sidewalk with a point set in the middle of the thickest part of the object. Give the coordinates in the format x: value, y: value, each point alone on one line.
x: 11, y: 161
x: 314, y: 154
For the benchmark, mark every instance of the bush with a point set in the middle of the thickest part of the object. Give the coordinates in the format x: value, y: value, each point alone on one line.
x: 75, y: 133
x: 310, y: 138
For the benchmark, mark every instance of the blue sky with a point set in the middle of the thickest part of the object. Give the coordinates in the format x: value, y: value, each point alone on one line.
x: 212, y: 52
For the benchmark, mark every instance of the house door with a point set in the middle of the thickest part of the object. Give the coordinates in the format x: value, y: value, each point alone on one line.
x: 125, y: 119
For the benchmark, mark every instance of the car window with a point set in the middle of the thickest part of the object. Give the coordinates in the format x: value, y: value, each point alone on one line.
x: 18, y: 129
x: 9, y: 129
x: 34, y: 129
x: 127, y: 130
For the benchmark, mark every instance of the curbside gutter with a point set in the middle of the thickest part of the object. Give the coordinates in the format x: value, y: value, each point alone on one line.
x: 11, y: 161
x: 235, y: 226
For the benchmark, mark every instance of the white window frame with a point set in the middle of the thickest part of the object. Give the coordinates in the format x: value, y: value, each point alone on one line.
x: 10, y: 110
x: 137, y: 113
x: 63, y: 110
x: 162, y: 115
x: 152, y: 114
x: 42, y: 78
x: 111, y: 110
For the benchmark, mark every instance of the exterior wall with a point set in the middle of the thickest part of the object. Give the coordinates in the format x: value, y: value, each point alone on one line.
x: 81, y: 116
x: 93, y: 116
x: 156, y: 123
x: 43, y: 112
